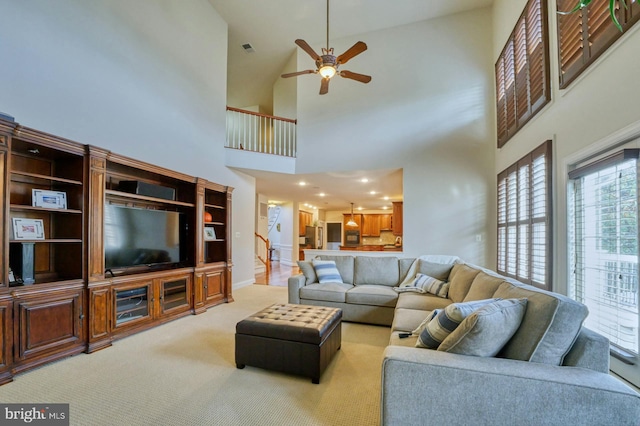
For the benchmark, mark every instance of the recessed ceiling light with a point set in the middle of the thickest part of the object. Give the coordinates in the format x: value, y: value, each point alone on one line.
x: 322, y: 194
x: 386, y: 198
x: 359, y: 208
x: 384, y: 207
x: 364, y: 180
x: 372, y: 192
x: 302, y: 183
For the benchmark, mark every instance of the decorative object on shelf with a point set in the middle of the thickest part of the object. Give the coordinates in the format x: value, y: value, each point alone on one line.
x: 49, y: 199
x: 207, y: 217
x: 27, y: 229
x: 327, y: 64
x: 352, y: 222
x: 612, y: 9
x: 209, y: 233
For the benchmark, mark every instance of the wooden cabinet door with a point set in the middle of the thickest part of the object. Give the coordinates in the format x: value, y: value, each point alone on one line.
x: 397, y: 218
x: 6, y: 339
x: 305, y: 219
x: 214, y: 285
x: 48, y: 324
x: 385, y: 222
x: 370, y: 225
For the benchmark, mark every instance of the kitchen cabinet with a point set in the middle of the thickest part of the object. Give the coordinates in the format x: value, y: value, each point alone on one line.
x: 370, y: 225
x: 305, y: 219
x: 397, y: 218
x: 385, y: 222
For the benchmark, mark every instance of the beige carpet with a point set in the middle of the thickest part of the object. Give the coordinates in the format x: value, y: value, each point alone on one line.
x: 183, y: 373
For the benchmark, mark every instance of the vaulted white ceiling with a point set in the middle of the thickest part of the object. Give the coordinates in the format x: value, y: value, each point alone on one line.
x: 271, y: 26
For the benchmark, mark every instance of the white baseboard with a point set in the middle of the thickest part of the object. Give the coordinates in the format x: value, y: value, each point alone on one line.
x: 241, y: 284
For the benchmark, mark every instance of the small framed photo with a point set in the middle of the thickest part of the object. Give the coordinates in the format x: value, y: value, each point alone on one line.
x: 27, y: 229
x: 49, y: 199
x: 209, y: 233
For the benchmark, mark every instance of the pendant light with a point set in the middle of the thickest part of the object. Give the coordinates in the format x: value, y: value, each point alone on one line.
x: 352, y: 222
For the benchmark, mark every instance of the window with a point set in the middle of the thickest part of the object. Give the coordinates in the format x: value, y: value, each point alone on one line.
x: 584, y: 35
x: 524, y: 219
x: 522, y: 72
x: 603, y: 244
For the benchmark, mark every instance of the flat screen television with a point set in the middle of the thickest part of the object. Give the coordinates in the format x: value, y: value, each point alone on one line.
x: 136, y: 237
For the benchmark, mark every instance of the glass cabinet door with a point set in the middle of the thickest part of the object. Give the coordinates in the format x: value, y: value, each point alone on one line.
x: 174, y: 294
x: 132, y: 304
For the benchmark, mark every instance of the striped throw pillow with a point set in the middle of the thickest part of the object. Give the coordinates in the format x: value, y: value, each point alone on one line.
x: 327, y: 271
x: 425, y: 284
x: 446, y: 321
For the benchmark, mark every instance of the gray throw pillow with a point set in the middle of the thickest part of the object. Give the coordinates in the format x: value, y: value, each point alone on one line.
x: 486, y: 330
x: 306, y: 267
x: 439, y: 271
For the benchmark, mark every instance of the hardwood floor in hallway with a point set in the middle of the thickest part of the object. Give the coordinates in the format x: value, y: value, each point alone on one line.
x: 278, y: 276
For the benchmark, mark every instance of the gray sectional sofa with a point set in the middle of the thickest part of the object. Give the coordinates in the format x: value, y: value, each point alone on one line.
x: 547, y: 370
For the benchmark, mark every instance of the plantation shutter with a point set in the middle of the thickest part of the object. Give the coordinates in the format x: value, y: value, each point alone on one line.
x: 522, y: 72
x: 604, y: 246
x: 584, y: 35
x: 524, y: 224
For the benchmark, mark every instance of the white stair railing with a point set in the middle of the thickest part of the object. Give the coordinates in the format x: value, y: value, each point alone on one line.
x: 263, y: 133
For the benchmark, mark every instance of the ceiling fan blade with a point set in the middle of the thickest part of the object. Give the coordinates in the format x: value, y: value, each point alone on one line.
x: 324, y: 86
x: 294, y: 74
x: 305, y: 46
x: 355, y: 76
x: 354, y: 50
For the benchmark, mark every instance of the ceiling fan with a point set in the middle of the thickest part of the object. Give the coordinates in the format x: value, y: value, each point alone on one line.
x: 327, y: 64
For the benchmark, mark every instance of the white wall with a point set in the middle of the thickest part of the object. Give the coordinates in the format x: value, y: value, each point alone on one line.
x: 144, y: 78
x: 594, y: 107
x: 428, y: 110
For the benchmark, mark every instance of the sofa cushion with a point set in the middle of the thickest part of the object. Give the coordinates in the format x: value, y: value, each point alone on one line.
x: 330, y: 292
x: 424, y: 302
x: 446, y: 321
x: 549, y: 327
x: 425, y: 284
x: 439, y: 271
x: 483, y: 287
x: 405, y: 265
x: 306, y: 267
x: 344, y: 265
x: 486, y: 330
x: 326, y: 271
x: 461, y: 278
x: 407, y: 320
x: 376, y: 270
x: 374, y: 295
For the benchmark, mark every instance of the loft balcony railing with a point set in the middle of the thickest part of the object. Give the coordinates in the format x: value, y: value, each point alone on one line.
x: 262, y: 133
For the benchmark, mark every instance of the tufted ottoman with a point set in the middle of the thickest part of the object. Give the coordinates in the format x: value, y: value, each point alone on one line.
x: 297, y: 339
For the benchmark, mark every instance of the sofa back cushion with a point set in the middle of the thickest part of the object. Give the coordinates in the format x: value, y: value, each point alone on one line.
x: 483, y: 287
x: 440, y: 271
x: 383, y: 270
x: 549, y: 327
x: 461, y: 278
x: 344, y: 265
x: 405, y: 265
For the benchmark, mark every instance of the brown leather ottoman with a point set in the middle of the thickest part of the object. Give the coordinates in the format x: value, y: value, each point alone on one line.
x: 296, y: 339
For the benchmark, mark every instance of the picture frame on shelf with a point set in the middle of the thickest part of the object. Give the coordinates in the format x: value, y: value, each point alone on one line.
x: 49, y: 199
x: 27, y: 229
x: 209, y: 233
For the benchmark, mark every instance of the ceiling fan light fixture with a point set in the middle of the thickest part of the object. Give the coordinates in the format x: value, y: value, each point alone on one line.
x: 327, y: 71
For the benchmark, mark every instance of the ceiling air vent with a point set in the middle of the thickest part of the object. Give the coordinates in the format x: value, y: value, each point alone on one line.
x: 248, y: 48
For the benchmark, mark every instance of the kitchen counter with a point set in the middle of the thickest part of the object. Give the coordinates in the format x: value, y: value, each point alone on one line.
x: 353, y: 251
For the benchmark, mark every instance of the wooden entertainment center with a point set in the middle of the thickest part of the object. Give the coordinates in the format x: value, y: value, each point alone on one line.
x: 57, y: 298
